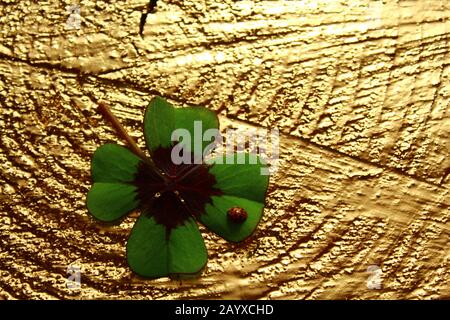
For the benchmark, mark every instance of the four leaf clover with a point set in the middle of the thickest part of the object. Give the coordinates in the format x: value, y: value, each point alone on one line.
x: 172, y: 198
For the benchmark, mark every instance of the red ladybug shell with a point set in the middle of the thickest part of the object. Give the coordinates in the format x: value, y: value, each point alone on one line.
x: 237, y: 214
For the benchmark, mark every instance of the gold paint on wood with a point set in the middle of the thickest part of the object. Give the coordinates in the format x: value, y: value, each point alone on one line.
x: 359, y: 89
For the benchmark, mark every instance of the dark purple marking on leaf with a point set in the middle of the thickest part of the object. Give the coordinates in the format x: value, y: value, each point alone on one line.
x: 162, y: 159
x: 168, y: 210
x: 148, y: 182
x: 183, y: 191
x: 237, y: 214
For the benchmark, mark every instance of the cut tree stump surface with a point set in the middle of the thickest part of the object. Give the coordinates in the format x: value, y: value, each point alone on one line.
x: 360, y: 92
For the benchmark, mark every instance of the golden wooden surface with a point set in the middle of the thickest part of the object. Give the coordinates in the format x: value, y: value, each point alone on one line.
x: 359, y: 89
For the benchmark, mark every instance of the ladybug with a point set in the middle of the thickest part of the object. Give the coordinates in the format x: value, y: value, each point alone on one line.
x: 237, y: 214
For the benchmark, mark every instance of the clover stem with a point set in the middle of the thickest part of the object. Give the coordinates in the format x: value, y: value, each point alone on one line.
x: 120, y: 130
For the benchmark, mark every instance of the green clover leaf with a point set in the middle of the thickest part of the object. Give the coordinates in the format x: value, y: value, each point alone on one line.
x: 172, y: 198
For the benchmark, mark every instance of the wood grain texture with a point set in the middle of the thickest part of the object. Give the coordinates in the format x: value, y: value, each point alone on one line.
x: 359, y: 90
